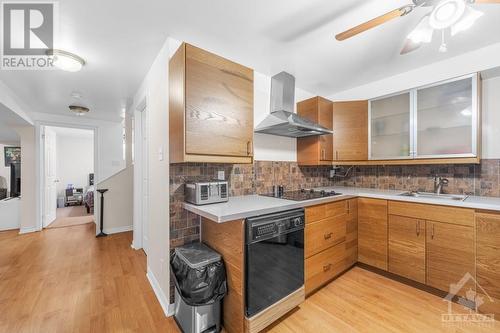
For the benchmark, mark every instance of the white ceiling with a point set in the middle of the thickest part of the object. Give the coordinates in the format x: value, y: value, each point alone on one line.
x: 9, y: 120
x: 67, y: 132
x: 119, y: 40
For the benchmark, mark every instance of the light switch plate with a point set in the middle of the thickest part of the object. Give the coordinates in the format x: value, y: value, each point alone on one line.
x: 332, y: 173
x: 160, y: 154
x: 221, y: 175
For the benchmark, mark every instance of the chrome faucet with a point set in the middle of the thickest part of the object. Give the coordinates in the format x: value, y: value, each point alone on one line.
x: 439, y: 182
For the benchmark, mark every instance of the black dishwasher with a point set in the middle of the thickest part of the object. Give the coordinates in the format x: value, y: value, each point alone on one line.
x: 274, y: 253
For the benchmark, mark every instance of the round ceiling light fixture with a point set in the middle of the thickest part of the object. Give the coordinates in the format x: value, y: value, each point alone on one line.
x: 79, y: 110
x: 446, y: 13
x: 65, y: 60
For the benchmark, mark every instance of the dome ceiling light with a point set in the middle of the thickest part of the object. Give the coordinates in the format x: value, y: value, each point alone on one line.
x: 65, y: 60
x: 79, y: 110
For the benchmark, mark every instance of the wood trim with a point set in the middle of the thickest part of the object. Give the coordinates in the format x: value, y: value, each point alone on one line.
x: 228, y: 239
x: 217, y: 159
x: 453, y: 215
x: 458, y: 160
x: 268, y: 316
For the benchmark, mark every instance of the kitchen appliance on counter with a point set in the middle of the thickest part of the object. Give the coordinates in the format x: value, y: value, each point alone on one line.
x: 303, y: 194
x: 274, y: 252
x: 202, y: 193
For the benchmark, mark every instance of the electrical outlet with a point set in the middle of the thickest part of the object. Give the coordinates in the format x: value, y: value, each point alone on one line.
x: 221, y: 175
x: 332, y: 173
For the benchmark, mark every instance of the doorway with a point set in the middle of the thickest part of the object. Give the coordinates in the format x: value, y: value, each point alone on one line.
x: 68, y: 176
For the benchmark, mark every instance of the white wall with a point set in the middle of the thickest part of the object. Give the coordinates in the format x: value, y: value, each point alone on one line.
x: 4, y: 171
x: 155, y: 89
x: 491, y: 118
x: 272, y: 147
x: 75, y: 160
x: 28, y: 179
x: 10, y: 214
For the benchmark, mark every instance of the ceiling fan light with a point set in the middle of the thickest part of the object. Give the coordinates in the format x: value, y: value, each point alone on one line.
x: 423, y: 32
x: 446, y: 13
x: 470, y: 17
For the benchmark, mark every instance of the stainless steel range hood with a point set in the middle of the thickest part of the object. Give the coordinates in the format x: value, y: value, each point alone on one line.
x: 283, y: 121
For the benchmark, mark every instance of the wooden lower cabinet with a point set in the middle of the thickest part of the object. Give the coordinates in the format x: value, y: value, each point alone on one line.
x: 407, y: 247
x: 330, y: 242
x: 324, y: 266
x: 488, y: 261
x: 325, y: 233
x: 450, y: 256
x: 372, y: 232
x: 351, y: 238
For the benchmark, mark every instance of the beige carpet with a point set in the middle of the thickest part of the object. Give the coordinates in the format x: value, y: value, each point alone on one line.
x: 70, y: 216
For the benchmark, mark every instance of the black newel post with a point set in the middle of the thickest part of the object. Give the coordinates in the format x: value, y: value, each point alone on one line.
x: 102, y: 191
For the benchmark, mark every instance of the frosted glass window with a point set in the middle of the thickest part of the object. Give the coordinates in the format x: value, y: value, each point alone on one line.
x: 390, y: 127
x: 444, y: 119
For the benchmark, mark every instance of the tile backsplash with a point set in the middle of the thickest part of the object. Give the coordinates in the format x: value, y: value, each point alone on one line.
x: 481, y: 179
x: 244, y: 179
x: 259, y: 177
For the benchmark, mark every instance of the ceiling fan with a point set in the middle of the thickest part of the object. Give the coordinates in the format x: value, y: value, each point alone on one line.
x: 456, y: 15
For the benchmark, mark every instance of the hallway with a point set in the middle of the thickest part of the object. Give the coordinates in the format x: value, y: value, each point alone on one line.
x: 66, y: 280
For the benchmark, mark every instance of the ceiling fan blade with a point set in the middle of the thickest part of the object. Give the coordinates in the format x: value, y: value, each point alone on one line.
x: 374, y: 22
x: 409, y: 46
x: 486, y: 1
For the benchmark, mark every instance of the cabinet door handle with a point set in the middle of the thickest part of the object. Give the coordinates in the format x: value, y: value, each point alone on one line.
x: 326, y: 268
x: 417, y: 228
x: 348, y: 207
x: 249, y: 148
x: 328, y: 235
x: 336, y: 154
x: 432, y: 231
x: 323, y: 155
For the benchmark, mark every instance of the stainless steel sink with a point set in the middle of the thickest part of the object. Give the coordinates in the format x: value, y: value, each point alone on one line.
x: 428, y: 195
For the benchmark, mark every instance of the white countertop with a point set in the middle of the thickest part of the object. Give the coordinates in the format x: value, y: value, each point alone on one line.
x: 253, y: 205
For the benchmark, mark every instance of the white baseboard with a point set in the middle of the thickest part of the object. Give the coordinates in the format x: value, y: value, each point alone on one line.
x: 116, y: 230
x: 160, y: 295
x: 28, y: 230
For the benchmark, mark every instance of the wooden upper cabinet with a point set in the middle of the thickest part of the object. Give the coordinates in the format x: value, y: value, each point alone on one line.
x: 350, y: 131
x: 372, y: 232
x: 450, y: 256
x: 407, y: 247
x: 316, y: 150
x: 211, y: 108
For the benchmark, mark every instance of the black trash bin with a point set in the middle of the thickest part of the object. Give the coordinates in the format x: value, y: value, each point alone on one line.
x: 200, y: 285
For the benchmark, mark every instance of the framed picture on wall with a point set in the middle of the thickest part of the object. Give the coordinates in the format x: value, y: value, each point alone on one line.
x: 12, y: 155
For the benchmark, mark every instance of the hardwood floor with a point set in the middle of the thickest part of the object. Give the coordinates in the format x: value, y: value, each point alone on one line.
x: 362, y: 301
x: 66, y: 280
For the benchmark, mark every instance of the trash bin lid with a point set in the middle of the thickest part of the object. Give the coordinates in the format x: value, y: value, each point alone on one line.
x: 197, y: 255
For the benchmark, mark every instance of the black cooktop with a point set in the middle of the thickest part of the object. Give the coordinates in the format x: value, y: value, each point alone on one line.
x: 305, y: 194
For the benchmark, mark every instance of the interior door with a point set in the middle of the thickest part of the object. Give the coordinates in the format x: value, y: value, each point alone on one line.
x: 145, y: 181
x: 50, y: 159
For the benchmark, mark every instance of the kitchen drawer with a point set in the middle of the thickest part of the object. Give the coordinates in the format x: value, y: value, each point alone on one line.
x: 454, y: 215
x: 321, y: 212
x: 324, y: 266
x: 325, y: 233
